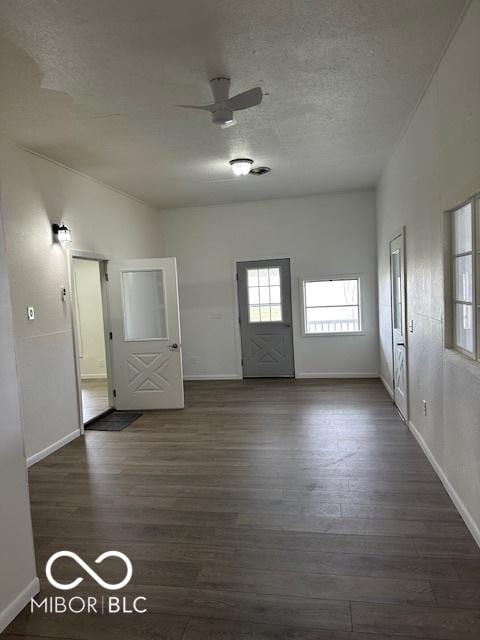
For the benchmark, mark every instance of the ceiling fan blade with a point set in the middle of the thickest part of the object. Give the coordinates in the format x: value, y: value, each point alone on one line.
x: 208, y: 107
x: 244, y: 100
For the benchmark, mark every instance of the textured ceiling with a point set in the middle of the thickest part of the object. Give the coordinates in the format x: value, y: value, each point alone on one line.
x: 93, y: 84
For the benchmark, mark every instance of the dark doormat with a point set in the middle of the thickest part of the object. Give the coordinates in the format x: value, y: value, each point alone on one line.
x: 113, y: 421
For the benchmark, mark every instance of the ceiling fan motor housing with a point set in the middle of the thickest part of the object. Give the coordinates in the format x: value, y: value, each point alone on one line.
x: 222, y: 116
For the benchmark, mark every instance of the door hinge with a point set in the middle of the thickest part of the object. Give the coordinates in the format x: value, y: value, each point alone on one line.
x: 239, y: 320
x: 111, y: 335
x: 241, y: 361
x: 114, y: 393
x: 106, y: 276
x: 237, y: 277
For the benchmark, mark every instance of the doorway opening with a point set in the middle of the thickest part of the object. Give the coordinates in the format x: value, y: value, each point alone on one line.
x: 265, y: 316
x: 90, y: 327
x: 399, y: 324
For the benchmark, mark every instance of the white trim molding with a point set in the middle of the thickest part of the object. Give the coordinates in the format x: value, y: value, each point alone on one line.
x: 333, y: 375
x: 12, y: 610
x: 473, y: 527
x: 36, y: 457
x: 215, y: 376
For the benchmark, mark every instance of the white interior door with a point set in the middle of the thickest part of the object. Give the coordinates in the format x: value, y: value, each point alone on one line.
x: 399, y: 320
x: 145, y: 323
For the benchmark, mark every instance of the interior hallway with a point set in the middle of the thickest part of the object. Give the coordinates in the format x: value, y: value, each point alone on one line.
x: 94, y: 398
x: 267, y: 509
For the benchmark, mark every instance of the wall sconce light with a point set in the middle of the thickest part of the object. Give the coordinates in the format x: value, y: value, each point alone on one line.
x: 63, y: 233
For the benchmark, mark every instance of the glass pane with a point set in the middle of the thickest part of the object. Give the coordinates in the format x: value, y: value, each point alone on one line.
x: 396, y: 291
x: 264, y: 295
x: 265, y: 313
x: 254, y: 314
x: 144, y: 305
x: 462, y: 229
x: 263, y: 277
x: 275, y: 295
x: 274, y: 274
x: 332, y: 320
x: 331, y: 293
x: 253, y: 297
x: 463, y: 278
x: 276, y: 312
x: 464, y: 327
x: 252, y: 276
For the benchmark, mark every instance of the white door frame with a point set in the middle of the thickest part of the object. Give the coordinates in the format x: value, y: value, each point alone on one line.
x: 401, y: 233
x: 102, y: 262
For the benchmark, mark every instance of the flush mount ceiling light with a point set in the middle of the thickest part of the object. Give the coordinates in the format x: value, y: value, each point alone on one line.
x: 241, y: 166
x: 62, y: 233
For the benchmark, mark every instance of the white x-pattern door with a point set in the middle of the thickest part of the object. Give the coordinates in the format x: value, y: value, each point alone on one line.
x: 146, y: 346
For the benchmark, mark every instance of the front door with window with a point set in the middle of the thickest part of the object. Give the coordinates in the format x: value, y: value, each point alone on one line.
x: 265, y: 309
x: 399, y: 343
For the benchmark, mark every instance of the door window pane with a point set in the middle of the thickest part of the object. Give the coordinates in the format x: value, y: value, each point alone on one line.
x: 332, y: 306
x: 464, y: 327
x: 144, y: 305
x: 264, y: 295
x: 462, y: 229
x: 397, y: 291
x: 463, y: 278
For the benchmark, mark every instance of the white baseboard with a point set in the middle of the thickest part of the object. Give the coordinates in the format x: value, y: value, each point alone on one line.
x: 93, y: 376
x: 457, y: 501
x: 225, y: 376
x: 361, y: 374
x: 13, y: 609
x: 36, y: 457
x: 387, y: 386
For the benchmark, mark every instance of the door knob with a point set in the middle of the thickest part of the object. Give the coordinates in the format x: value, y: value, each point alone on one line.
x: 173, y: 346
x: 287, y: 324
x: 400, y: 344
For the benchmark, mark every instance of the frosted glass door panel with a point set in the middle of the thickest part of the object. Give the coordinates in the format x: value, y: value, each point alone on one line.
x: 144, y: 305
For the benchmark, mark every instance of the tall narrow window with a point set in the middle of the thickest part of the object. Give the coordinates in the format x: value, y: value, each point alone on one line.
x: 464, y: 312
x: 332, y: 306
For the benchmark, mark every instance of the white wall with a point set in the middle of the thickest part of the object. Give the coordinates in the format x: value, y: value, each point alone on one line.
x: 434, y: 167
x: 17, y: 564
x: 324, y: 235
x: 91, y: 336
x: 37, y: 193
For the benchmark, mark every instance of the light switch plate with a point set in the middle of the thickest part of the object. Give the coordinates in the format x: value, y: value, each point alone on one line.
x: 31, y: 313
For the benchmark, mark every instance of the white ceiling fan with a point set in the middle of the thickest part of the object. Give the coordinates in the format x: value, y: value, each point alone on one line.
x: 223, y: 108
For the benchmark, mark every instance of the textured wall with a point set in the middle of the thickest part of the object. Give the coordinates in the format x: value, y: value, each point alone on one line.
x: 17, y: 564
x: 435, y: 167
x: 324, y: 235
x: 35, y: 194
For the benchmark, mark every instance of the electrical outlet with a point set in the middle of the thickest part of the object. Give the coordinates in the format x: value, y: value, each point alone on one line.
x: 424, y: 407
x: 31, y: 313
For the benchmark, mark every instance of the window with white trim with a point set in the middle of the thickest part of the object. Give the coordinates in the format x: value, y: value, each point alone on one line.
x: 332, y: 306
x: 465, y: 278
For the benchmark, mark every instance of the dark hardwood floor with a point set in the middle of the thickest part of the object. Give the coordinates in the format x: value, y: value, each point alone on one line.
x: 266, y: 510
